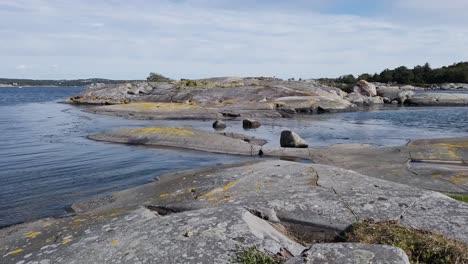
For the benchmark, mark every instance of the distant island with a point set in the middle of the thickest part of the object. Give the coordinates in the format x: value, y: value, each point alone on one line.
x: 78, y: 82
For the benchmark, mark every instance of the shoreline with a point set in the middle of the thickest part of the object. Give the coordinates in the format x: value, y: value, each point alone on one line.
x: 261, y: 203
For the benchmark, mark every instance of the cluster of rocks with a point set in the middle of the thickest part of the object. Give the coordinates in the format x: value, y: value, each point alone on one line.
x: 366, y: 93
x: 206, y: 215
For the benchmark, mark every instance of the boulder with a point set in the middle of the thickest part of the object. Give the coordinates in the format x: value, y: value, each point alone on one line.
x: 405, y: 95
x: 359, y: 99
x: 250, y: 124
x: 219, y: 125
x: 356, y: 98
x: 313, y: 104
x: 374, y: 100
x: 395, y: 93
x: 290, y: 139
x: 365, y: 88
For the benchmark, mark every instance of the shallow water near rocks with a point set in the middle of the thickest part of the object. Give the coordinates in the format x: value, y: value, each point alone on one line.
x: 47, y: 163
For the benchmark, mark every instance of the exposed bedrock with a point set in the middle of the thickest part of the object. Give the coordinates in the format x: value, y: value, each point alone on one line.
x: 390, y: 163
x: 206, y: 215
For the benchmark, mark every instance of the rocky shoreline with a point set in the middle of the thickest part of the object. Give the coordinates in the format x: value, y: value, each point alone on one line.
x: 293, y: 210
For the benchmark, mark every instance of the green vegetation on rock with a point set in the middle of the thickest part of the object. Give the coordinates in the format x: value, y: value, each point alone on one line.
x: 254, y: 256
x: 459, y: 197
x: 421, y: 246
x: 183, y: 83
x: 156, y: 77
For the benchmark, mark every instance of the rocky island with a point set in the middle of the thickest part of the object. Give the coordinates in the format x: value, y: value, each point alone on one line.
x: 352, y: 203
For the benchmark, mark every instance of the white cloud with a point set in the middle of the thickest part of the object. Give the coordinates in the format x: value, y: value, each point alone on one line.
x: 194, y: 39
x: 21, y: 67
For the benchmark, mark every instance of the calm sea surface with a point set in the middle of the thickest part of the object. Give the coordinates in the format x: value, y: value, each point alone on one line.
x: 46, y: 163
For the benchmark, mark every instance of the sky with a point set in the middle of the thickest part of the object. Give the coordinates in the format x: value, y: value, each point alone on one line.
x: 120, y: 39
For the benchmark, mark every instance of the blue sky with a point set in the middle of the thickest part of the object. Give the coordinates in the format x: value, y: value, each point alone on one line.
x: 201, y: 38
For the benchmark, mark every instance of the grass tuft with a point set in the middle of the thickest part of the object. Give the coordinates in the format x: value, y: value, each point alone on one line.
x: 421, y: 247
x: 459, y: 197
x: 254, y: 256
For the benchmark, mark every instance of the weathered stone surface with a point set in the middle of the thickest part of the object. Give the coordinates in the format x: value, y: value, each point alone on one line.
x: 359, y: 99
x: 219, y: 125
x: 250, y: 124
x: 313, y: 104
x: 246, y: 97
x: 351, y: 253
x: 179, y: 137
x: 390, y: 163
x: 290, y: 139
x: 395, y: 93
x: 210, y: 205
x: 453, y: 86
x: 248, y: 139
x: 365, y: 88
x: 375, y: 100
x: 439, y: 99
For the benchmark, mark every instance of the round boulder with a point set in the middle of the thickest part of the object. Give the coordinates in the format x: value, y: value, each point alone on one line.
x: 290, y: 139
x: 250, y: 123
x: 219, y: 125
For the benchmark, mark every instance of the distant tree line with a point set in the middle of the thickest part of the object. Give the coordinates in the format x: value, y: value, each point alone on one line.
x: 456, y: 73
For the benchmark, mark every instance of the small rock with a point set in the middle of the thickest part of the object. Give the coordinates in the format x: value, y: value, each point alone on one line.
x: 219, y: 125
x: 290, y: 139
x: 250, y: 123
x: 374, y: 100
x: 188, y: 234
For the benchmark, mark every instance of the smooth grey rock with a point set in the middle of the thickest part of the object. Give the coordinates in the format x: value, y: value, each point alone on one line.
x: 180, y: 137
x: 219, y: 125
x: 359, y: 99
x: 375, y: 100
x: 356, y: 98
x: 223, y: 208
x: 250, y: 124
x: 327, y: 102
x: 351, y: 253
x: 395, y: 93
x: 365, y: 88
x: 439, y: 99
x: 290, y: 139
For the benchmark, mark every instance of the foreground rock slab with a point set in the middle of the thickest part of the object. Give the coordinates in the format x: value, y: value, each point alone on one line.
x: 350, y: 253
x: 204, y: 216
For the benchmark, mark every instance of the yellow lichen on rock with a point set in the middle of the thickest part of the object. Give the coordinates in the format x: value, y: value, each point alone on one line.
x: 452, y: 148
x: 32, y: 234
x: 149, y: 106
x: 167, y: 131
x: 228, y: 186
x: 16, y: 251
x: 66, y: 240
